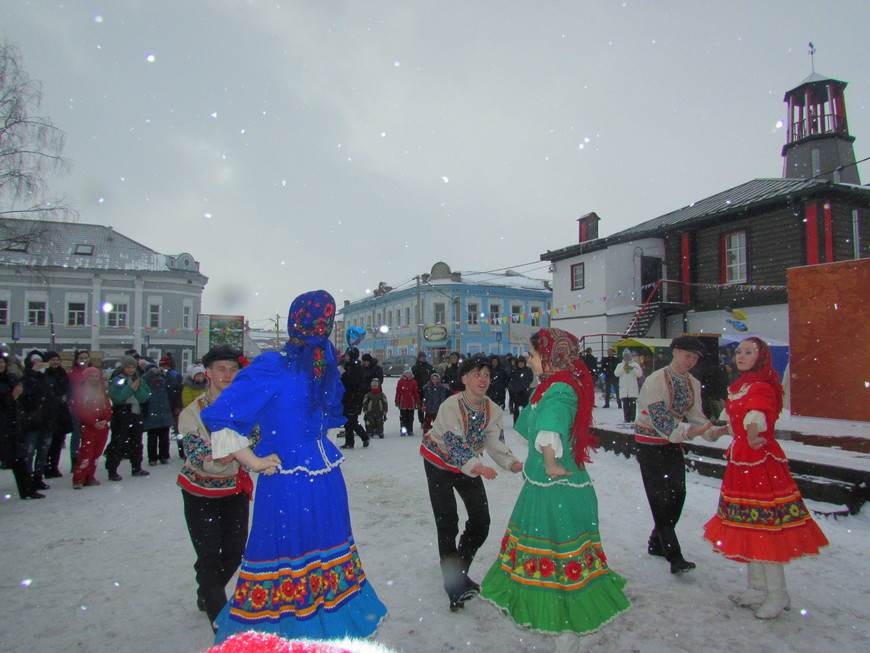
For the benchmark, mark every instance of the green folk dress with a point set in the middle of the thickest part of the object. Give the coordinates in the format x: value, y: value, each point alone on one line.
x: 551, y: 574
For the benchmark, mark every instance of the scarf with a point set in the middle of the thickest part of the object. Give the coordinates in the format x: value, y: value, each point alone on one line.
x: 308, y: 350
x: 761, y: 372
x: 561, y: 363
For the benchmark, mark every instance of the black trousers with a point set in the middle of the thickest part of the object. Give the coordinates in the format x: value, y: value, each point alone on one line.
x: 218, y: 529
x: 663, y: 469
x: 456, y: 559
x: 158, y: 444
x: 406, y: 421
x: 126, y: 440
x: 353, y: 427
x: 611, y: 387
x: 629, y: 408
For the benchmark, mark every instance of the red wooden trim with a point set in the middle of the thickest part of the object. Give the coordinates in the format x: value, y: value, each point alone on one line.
x: 583, y: 232
x: 812, y: 221
x: 685, y: 271
x: 829, y: 233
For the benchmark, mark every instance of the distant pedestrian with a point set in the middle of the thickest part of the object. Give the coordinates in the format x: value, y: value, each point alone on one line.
x: 407, y: 401
x: 128, y: 395
x: 158, y: 417
x: 434, y: 394
x: 519, y: 384
x: 375, y: 407
x: 422, y: 371
x: 499, y: 379
x: 611, y: 382
x: 93, y: 410
x: 63, y: 420
x: 628, y: 372
x: 353, y: 380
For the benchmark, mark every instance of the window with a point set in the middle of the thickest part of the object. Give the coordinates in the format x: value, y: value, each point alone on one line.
x: 408, y: 316
x: 75, y: 313
x: 84, y: 250
x: 734, y: 257
x: 440, y: 310
x: 154, y: 312
x: 473, y: 316
x: 36, y: 313
x: 494, y: 312
x: 117, y: 317
x: 4, y: 312
x: 578, y: 276
x: 186, y: 358
x: 186, y: 314
x: 516, y: 311
x: 536, y: 316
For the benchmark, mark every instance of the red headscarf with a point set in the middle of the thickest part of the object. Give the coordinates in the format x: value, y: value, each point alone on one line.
x: 761, y: 372
x: 561, y: 363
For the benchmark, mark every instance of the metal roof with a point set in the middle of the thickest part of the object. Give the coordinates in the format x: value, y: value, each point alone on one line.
x: 76, y: 246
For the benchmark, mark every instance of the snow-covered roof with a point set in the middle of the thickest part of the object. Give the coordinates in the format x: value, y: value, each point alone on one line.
x: 509, y: 279
x: 81, y: 246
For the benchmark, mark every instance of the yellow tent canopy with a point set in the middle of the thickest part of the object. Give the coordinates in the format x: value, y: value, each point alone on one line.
x: 649, y: 343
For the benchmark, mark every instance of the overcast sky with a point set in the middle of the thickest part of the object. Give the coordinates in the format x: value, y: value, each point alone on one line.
x: 293, y: 145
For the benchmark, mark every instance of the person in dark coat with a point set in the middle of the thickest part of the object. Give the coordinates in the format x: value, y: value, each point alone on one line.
x: 36, y: 417
x: 519, y: 384
x: 10, y: 440
x: 372, y: 370
x: 498, y: 382
x: 608, y: 369
x: 128, y: 394
x: 158, y: 416
x: 63, y: 420
x: 422, y: 371
x: 354, y: 381
x: 451, y: 377
x: 591, y: 362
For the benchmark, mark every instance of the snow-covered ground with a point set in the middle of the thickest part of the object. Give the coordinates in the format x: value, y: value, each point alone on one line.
x: 109, y: 568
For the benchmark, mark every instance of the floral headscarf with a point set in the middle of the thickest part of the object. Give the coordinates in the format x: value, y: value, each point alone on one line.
x: 309, y: 349
x: 561, y: 363
x: 761, y: 372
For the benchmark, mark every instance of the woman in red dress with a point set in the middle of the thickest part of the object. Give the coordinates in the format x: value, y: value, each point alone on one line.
x: 761, y: 519
x: 93, y: 408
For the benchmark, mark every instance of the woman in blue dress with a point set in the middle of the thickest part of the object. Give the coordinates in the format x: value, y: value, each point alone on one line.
x: 301, y: 575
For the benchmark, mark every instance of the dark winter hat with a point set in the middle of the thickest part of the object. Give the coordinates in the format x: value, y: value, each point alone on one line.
x: 474, y: 363
x: 165, y: 360
x: 222, y: 353
x: 689, y: 343
x: 28, y: 360
x: 375, y: 383
x: 422, y: 354
x: 352, y: 353
x: 50, y: 354
x: 367, y: 358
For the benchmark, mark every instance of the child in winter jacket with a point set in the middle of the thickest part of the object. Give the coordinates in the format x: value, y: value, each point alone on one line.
x: 375, y: 408
x: 434, y: 394
x: 94, y: 412
x: 407, y: 401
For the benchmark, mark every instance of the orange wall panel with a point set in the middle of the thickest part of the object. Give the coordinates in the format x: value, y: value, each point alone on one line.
x: 829, y: 337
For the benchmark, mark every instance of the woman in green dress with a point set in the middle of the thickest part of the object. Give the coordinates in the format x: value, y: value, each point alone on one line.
x: 551, y: 574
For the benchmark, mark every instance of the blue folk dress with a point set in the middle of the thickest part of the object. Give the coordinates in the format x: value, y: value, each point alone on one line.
x: 301, y: 575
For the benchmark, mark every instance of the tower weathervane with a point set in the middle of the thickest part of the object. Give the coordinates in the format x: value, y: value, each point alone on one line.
x: 812, y: 54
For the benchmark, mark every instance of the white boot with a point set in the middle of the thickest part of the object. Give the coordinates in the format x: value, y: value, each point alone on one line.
x: 754, y: 596
x: 777, y: 598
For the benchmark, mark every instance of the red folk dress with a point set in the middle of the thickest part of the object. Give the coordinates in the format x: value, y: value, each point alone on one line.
x: 761, y: 515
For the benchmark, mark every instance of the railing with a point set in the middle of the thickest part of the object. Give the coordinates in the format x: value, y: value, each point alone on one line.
x: 653, y: 297
x: 603, y: 342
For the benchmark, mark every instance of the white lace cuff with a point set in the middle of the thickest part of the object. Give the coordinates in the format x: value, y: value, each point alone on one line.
x: 227, y: 441
x: 755, y: 417
x: 550, y: 438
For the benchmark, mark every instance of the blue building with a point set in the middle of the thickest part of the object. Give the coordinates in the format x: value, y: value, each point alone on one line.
x: 445, y: 311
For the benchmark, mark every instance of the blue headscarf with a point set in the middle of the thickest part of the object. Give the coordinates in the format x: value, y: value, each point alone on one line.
x: 309, y: 350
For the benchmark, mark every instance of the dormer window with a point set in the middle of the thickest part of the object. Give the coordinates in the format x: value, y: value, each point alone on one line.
x: 84, y: 250
x: 16, y: 246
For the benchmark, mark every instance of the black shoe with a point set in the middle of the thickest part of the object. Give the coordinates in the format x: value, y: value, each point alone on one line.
x: 115, y: 477
x: 654, y: 547
x: 381, y: 436
x: 140, y: 472
x: 681, y: 566
x: 472, y: 589
x: 164, y: 461
x: 456, y: 605
x: 33, y: 495
x: 346, y: 446
x: 53, y: 473
x: 41, y: 485
x: 366, y: 443
x: 152, y: 463
x: 200, y: 603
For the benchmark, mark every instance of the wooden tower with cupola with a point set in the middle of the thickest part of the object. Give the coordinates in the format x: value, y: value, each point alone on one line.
x: 819, y: 145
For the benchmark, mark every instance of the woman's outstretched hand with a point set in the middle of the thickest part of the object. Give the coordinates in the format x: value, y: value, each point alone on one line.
x: 555, y: 470
x: 487, y: 472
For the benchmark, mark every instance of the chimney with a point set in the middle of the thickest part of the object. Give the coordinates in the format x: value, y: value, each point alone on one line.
x: 588, y: 227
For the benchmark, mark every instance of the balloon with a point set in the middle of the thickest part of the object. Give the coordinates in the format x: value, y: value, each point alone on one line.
x: 354, y: 335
